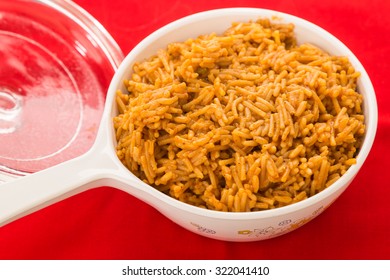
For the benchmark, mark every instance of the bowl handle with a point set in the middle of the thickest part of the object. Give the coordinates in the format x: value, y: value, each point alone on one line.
x: 30, y: 193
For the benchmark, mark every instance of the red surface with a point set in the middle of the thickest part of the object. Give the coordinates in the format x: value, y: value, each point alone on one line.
x: 109, y: 224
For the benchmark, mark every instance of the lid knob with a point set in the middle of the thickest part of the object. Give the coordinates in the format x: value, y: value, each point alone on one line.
x: 10, y: 110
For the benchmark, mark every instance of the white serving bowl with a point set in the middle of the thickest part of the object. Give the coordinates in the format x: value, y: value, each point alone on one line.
x: 100, y: 166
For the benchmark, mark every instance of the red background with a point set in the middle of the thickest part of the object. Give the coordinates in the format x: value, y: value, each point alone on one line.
x: 108, y: 224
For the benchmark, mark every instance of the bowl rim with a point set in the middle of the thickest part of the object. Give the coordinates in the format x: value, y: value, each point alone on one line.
x: 343, y: 182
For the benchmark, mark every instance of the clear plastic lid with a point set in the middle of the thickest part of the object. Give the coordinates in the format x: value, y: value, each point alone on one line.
x: 56, y: 62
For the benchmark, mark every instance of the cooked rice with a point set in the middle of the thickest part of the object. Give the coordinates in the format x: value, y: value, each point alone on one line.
x: 243, y: 121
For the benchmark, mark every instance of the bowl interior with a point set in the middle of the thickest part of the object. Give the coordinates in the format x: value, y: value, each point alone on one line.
x: 219, y: 20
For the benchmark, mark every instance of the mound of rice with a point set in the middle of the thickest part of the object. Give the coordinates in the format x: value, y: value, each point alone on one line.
x: 243, y: 121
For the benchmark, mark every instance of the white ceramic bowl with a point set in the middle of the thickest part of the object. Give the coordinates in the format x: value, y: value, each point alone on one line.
x: 100, y: 166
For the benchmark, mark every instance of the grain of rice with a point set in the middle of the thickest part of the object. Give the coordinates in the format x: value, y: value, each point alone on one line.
x: 242, y: 121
